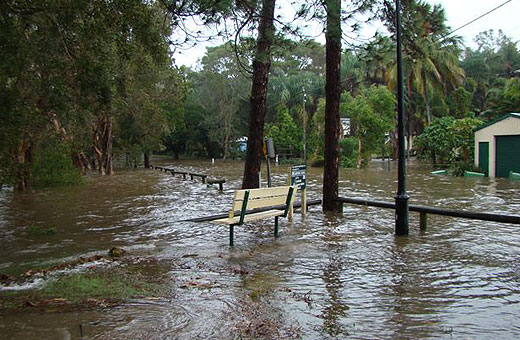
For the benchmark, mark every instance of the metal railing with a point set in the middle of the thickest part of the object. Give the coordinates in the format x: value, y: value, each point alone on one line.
x: 424, y: 210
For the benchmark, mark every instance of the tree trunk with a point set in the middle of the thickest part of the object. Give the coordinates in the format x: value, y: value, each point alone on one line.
x: 261, y: 66
x: 332, y: 97
x: 24, y: 162
x: 102, y: 144
x: 360, y: 156
x: 147, y: 160
x: 426, y: 99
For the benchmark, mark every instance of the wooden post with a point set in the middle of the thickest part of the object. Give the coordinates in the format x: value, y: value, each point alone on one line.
x: 291, y: 209
x: 423, y: 220
x: 220, y: 186
x: 304, y: 201
x: 276, y: 226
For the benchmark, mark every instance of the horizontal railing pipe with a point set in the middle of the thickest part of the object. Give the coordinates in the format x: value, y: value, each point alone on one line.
x: 437, y: 211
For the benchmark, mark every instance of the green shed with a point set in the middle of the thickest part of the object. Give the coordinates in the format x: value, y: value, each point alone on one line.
x: 497, y: 146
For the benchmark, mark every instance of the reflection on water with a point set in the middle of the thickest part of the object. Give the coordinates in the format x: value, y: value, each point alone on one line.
x: 326, y: 277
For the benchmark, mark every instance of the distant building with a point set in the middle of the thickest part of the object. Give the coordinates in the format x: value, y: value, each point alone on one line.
x: 497, y: 146
x: 345, y: 127
x: 242, y: 143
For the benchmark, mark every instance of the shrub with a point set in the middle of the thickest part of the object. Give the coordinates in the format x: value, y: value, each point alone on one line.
x: 348, y: 152
x: 53, y: 166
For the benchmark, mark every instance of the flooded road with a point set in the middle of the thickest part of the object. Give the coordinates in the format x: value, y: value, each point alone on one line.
x: 326, y: 277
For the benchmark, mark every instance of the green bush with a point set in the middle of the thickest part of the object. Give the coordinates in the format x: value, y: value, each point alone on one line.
x: 53, y: 166
x: 41, y: 231
x: 348, y: 152
x: 458, y: 168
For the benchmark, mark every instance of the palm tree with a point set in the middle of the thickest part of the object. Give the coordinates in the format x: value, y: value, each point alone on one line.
x: 431, y: 56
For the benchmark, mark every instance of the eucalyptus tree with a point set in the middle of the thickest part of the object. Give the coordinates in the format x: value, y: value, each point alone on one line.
x: 77, y: 71
x: 221, y: 80
x: 373, y: 113
x: 489, y: 67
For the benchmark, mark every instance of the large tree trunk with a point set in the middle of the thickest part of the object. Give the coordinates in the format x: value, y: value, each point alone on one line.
x: 261, y: 66
x: 147, y: 160
x: 79, y: 159
x: 102, y: 143
x: 24, y: 163
x: 332, y: 97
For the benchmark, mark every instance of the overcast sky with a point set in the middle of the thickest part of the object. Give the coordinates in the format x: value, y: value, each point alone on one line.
x: 458, y: 13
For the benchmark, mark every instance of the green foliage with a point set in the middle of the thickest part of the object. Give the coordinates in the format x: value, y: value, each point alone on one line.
x: 463, y: 139
x: 492, y: 70
x: 316, y: 140
x: 449, y: 140
x: 214, y: 114
x: 41, y: 231
x: 285, y: 133
x: 460, y: 102
x: 372, y: 115
x: 95, y: 73
x: 348, y: 152
x: 458, y: 168
x: 99, y: 285
x: 53, y: 166
x: 436, y: 139
x: 504, y: 99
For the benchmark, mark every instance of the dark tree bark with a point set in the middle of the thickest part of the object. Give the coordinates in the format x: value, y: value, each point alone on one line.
x: 102, y: 144
x: 147, y: 160
x: 332, y: 97
x: 261, y: 66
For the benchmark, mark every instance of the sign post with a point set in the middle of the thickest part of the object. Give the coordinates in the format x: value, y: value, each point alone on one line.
x: 268, y: 153
x: 299, y: 179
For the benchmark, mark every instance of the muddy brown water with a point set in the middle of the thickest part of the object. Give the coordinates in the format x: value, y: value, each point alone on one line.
x: 326, y: 277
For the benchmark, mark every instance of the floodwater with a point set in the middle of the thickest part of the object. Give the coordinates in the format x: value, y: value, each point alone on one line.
x: 326, y: 277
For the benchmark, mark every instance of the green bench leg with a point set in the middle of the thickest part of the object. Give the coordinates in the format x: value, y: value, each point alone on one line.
x: 231, y: 236
x: 276, y: 226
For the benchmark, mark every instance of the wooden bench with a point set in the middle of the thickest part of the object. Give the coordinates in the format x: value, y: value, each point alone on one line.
x: 198, y: 175
x: 258, y: 199
x: 183, y: 173
x: 220, y: 183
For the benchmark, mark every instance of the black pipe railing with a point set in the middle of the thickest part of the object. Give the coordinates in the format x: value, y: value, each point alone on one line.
x: 423, y: 210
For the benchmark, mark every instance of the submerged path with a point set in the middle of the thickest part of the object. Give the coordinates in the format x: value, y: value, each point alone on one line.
x: 326, y: 277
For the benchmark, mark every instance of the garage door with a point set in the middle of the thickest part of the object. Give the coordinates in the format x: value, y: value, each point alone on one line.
x: 483, y: 157
x: 507, y: 155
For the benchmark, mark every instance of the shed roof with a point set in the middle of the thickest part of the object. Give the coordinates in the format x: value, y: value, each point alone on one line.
x: 498, y: 119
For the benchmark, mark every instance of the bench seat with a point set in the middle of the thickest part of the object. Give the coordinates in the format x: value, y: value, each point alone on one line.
x: 251, y: 217
x: 264, y: 198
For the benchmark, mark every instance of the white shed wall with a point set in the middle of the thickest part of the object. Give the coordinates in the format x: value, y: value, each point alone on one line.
x: 505, y: 127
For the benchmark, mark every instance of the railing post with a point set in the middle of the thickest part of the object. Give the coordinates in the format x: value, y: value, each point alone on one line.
x: 231, y: 236
x: 401, y: 198
x: 423, y: 221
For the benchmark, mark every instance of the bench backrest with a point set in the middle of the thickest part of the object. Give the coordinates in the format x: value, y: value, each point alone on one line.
x: 248, y: 199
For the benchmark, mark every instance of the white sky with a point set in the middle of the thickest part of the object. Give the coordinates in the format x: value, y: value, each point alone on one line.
x: 458, y: 13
